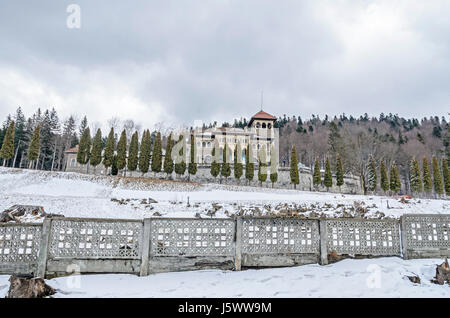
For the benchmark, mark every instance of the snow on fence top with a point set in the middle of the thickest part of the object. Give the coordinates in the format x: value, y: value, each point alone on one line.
x: 125, y: 243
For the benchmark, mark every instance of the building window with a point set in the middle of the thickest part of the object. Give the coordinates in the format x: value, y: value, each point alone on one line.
x: 72, y: 163
x: 204, y: 144
x: 269, y: 126
x: 258, y: 125
x: 264, y: 125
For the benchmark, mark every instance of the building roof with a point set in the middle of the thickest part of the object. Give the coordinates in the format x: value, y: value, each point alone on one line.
x: 72, y: 150
x: 261, y: 115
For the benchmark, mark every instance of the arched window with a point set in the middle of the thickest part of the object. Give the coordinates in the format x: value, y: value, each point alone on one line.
x: 204, y: 144
x: 264, y: 125
x: 258, y: 125
x: 269, y: 126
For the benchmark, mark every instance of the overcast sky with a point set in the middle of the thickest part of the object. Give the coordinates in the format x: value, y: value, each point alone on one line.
x: 182, y: 60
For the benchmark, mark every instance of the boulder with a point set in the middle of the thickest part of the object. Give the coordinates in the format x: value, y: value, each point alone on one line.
x: 18, y: 211
x: 26, y: 287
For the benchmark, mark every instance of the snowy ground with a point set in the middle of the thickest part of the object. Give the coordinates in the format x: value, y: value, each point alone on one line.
x: 383, y: 277
x: 78, y: 195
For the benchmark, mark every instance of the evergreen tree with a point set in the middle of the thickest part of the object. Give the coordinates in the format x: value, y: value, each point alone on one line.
x: 114, y: 169
x: 394, y: 178
x: 372, y: 182
x: 157, y: 154
x: 273, y: 165
x: 7, y: 150
x: 426, y: 176
x: 96, y: 155
x: 192, y: 168
x: 84, y: 147
x: 20, y: 137
x: 215, y: 164
x: 384, y: 181
x: 180, y: 165
x: 225, y: 170
x: 339, y: 172
x: 108, y: 155
x: 238, y: 167
x: 144, y: 154
x: 168, y: 160
x: 328, y: 179
x: 83, y: 126
x: 33, y: 149
x: 133, y: 152
x: 446, y: 174
x: 262, y: 165
x: 317, y: 177
x: 437, y: 178
x: 122, y: 151
x: 294, y: 168
x: 249, y: 165
x: 415, y: 179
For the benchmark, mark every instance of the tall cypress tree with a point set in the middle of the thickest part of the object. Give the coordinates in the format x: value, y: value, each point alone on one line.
x: 84, y: 148
x: 35, y: 144
x: 394, y: 178
x: 7, y: 151
x: 327, y: 179
x: 108, y: 155
x: 238, y: 167
x: 215, y: 164
x: 157, y: 154
x: 249, y: 165
x: 339, y: 172
x: 384, y: 181
x: 96, y: 155
x: 273, y: 166
x: 372, y: 182
x: 133, y: 152
x: 122, y: 151
x: 426, y: 176
x: 168, y: 160
x: 437, y: 178
x: 294, y: 168
x: 446, y: 174
x: 317, y: 177
x: 180, y: 166
x: 225, y: 170
x: 262, y: 165
x: 415, y: 180
x: 192, y: 167
x: 144, y: 154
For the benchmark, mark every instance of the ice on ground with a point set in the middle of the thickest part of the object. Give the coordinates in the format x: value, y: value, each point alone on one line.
x: 382, y: 277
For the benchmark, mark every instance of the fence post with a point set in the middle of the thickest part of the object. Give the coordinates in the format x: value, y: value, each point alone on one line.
x: 238, y: 246
x: 43, y: 248
x: 403, y: 235
x: 145, y: 248
x: 323, y: 242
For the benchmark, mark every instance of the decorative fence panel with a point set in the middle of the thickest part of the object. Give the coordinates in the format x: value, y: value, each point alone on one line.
x: 363, y: 237
x: 426, y: 235
x: 95, y: 239
x: 277, y: 236
x: 192, y: 237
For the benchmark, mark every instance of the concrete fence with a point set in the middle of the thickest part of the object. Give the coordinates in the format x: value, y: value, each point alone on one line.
x: 60, y: 246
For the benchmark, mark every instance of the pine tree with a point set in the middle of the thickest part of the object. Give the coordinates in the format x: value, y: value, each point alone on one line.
x: 437, y: 178
x: 180, y: 166
x: 273, y: 165
x: 114, y: 169
x: 144, y: 154
x: 168, y: 160
x: 7, y: 150
x: 84, y: 148
x: 384, y: 181
x: 215, y: 164
x: 96, y: 155
x: 122, y: 151
x: 108, y: 155
x: 249, y: 165
x: 192, y: 167
x: 157, y: 154
x: 262, y: 165
x: 133, y: 152
x: 426, y: 176
x: 83, y: 125
x: 317, y: 177
x: 294, y: 168
x: 394, y: 178
x: 327, y: 179
x: 35, y: 144
x: 372, y: 182
x: 339, y: 172
x: 415, y: 179
x: 225, y: 170
x: 446, y: 175
x: 238, y: 167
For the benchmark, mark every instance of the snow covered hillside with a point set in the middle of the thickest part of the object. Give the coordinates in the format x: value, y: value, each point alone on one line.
x: 383, y: 277
x: 78, y: 195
